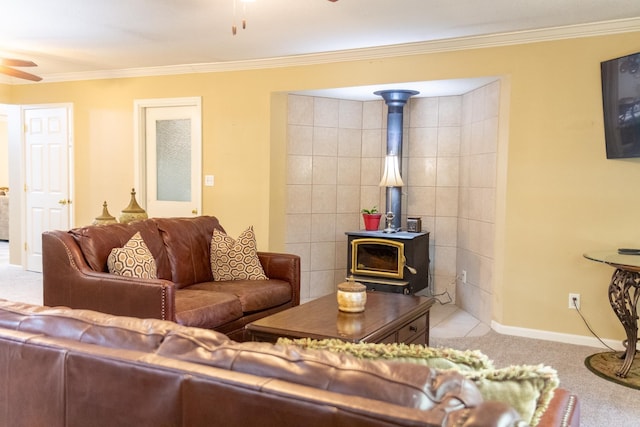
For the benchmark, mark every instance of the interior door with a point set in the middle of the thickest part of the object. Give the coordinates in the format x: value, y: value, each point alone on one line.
x: 172, y: 160
x: 47, y: 184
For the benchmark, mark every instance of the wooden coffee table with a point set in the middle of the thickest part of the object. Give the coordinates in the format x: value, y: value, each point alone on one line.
x: 388, y: 318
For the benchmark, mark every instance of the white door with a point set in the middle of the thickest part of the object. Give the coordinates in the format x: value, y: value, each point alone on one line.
x: 172, y: 159
x: 47, y: 184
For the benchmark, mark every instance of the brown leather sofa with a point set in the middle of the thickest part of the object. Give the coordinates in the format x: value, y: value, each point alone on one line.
x: 64, y: 367
x: 75, y: 275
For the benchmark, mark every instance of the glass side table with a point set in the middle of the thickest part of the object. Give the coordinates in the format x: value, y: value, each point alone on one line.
x: 624, y: 291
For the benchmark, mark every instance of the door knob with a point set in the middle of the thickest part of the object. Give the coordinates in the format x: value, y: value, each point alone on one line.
x: 62, y: 202
x: 195, y: 211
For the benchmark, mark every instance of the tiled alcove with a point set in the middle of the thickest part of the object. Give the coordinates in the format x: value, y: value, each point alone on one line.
x: 335, y: 154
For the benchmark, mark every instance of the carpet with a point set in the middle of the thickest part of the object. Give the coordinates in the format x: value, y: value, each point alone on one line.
x: 606, y: 364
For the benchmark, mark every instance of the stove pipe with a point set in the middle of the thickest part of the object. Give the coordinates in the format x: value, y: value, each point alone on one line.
x: 395, y: 100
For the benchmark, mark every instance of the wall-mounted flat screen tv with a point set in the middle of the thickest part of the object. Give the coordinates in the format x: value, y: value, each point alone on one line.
x: 621, y: 105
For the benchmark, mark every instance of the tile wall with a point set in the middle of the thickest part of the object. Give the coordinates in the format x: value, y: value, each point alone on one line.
x: 335, y: 159
x: 476, y: 220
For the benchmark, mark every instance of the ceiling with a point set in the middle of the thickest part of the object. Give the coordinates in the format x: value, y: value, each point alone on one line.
x: 80, y: 39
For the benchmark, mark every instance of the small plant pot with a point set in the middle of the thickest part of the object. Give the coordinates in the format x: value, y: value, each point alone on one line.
x: 371, y: 221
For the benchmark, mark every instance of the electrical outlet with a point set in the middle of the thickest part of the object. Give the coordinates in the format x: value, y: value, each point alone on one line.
x: 463, y: 276
x: 575, y: 297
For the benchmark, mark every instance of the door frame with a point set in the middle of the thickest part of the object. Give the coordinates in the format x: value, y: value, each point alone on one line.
x: 140, y: 142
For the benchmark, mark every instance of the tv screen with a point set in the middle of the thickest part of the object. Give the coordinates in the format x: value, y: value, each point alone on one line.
x: 621, y: 106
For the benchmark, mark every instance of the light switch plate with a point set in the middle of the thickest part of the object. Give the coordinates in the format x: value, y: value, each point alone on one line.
x: 208, y: 180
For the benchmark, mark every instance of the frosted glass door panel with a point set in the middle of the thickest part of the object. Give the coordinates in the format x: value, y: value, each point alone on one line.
x: 173, y: 160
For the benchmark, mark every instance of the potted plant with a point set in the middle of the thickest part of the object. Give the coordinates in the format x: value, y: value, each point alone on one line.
x: 371, y: 218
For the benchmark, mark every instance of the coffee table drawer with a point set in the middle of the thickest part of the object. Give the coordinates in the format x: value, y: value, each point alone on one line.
x: 413, y: 332
x: 409, y: 331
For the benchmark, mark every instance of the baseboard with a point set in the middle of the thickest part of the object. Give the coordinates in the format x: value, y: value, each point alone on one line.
x: 555, y: 336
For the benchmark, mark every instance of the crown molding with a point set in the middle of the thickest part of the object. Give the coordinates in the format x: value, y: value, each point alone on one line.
x: 419, y: 48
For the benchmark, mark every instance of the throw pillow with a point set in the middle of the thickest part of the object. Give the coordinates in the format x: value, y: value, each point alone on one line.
x: 235, y: 259
x: 528, y: 389
x: 134, y: 259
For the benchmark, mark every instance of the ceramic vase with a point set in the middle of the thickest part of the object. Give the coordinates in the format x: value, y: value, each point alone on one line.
x: 133, y: 212
x: 105, y: 218
x: 352, y: 296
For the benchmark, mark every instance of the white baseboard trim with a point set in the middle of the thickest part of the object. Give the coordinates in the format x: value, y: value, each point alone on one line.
x: 554, y: 336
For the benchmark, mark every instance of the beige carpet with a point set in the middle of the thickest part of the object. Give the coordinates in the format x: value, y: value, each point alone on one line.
x: 17, y: 284
x: 603, y: 403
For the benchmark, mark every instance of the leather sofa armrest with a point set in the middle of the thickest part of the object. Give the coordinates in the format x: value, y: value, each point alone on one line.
x: 69, y: 281
x: 563, y: 410
x: 284, y: 267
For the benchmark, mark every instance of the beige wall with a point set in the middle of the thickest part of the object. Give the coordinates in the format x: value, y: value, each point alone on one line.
x: 5, y: 95
x: 4, y: 150
x: 558, y: 196
x: 4, y: 144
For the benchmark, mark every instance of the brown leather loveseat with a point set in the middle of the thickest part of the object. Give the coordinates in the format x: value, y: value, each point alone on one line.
x: 75, y: 275
x: 64, y: 368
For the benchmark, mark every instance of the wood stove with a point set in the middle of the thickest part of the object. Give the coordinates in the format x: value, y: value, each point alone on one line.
x: 389, y: 262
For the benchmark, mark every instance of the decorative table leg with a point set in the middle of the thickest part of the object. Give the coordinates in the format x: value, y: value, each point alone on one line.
x: 623, y: 297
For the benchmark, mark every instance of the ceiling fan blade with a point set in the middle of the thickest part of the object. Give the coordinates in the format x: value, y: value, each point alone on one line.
x: 19, y: 74
x: 17, y: 63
